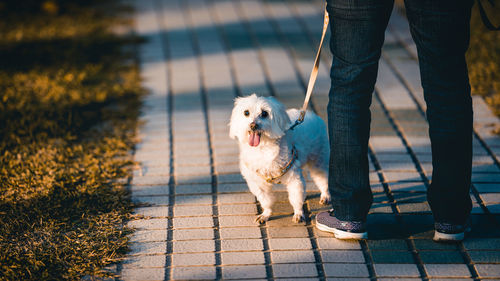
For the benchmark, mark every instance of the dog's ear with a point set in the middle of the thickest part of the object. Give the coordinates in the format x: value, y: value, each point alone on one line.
x: 232, y: 126
x: 281, y: 121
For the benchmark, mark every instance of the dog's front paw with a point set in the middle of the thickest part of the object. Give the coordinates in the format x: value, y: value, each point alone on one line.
x: 324, y: 199
x: 298, y: 218
x: 261, y: 219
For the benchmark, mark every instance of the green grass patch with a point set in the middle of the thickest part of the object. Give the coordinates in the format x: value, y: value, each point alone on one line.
x: 69, y: 101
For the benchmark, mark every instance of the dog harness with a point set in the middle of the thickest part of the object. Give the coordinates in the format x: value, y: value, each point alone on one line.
x: 283, y: 171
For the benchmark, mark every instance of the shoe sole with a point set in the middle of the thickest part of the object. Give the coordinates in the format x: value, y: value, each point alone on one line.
x: 444, y: 237
x: 340, y: 234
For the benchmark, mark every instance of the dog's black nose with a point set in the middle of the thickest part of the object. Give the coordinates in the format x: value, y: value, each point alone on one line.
x: 254, y: 126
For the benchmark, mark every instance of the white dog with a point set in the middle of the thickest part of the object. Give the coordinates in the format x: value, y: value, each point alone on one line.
x: 272, y: 153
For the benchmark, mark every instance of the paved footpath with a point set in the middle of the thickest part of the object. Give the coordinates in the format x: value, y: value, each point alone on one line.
x: 198, y: 215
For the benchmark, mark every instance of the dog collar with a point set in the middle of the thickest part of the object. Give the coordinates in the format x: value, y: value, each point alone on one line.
x: 283, y: 171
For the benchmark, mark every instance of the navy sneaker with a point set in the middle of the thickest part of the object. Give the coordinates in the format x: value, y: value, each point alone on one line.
x: 447, y: 232
x: 326, y: 221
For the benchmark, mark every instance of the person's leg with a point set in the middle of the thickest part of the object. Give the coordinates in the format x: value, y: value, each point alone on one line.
x: 440, y: 30
x: 357, y: 34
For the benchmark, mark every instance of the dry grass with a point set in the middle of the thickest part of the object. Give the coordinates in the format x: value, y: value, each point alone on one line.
x: 483, y: 58
x: 69, y: 99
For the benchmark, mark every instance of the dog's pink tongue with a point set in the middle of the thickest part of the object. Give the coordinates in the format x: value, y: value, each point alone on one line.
x: 254, y: 139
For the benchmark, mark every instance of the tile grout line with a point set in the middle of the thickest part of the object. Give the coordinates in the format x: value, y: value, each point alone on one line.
x: 465, y: 255
x: 422, y: 112
x: 263, y: 227
x: 264, y: 235
x: 401, y: 135
x: 171, y: 183
x: 395, y: 211
x: 399, y: 76
x: 292, y: 55
x: 255, y: 42
x: 204, y: 103
x: 291, y: 52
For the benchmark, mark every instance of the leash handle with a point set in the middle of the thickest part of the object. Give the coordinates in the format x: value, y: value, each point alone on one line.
x: 314, y: 72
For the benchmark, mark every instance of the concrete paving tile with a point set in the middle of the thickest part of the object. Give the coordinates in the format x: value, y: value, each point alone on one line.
x: 342, y: 256
x: 193, y: 222
x: 158, y: 162
x: 232, y: 221
x: 291, y: 270
x: 230, y: 178
x: 402, y: 176
x: 242, y: 245
x: 282, y: 220
x: 244, y: 271
x: 149, y: 235
x: 391, y: 244
x: 192, y: 171
x: 238, y: 209
x: 193, y: 234
x: 142, y: 274
x: 428, y: 244
x: 490, y: 197
x: 192, y: 210
x: 240, y: 258
x: 193, y: 273
x: 345, y: 270
x: 336, y: 244
x: 234, y: 198
x: 292, y: 256
x: 358, y: 279
x: 192, y: 161
x: 153, y: 200
x: 149, y: 180
x: 488, y: 270
x: 482, y: 244
x: 233, y: 187
x: 486, y: 177
x: 155, y: 211
x: 396, y: 270
x: 287, y: 231
x: 193, y: 259
x: 454, y: 279
x: 148, y: 248
x: 146, y: 171
x: 193, y: 179
x: 148, y: 190
x: 240, y: 232
x: 144, y: 261
x: 485, y: 256
x: 290, y: 243
x: 283, y: 207
x: 227, y: 169
x: 193, y: 188
x: 193, y: 200
x: 407, y: 187
x: 148, y: 224
x: 487, y: 187
x: 447, y: 270
x: 441, y: 257
x: 145, y: 155
x: 392, y: 257
x: 419, y: 207
x: 192, y: 246
x: 384, y: 208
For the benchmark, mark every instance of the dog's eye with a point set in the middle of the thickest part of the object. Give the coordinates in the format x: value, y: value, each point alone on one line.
x: 264, y: 114
x: 246, y: 112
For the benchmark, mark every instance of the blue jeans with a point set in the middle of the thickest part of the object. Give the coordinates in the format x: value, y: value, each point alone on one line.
x: 440, y: 30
